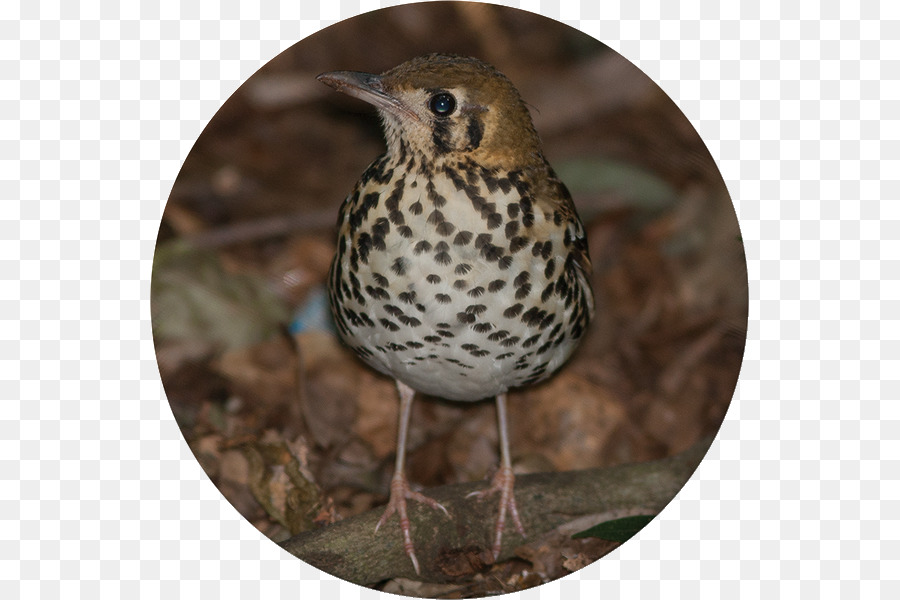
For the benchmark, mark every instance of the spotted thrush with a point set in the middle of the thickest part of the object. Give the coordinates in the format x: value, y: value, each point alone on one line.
x: 462, y: 267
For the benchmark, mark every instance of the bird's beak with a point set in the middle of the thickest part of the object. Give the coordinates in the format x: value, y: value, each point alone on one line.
x: 367, y: 87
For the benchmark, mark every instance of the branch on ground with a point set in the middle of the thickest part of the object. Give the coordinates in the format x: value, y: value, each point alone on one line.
x: 450, y: 549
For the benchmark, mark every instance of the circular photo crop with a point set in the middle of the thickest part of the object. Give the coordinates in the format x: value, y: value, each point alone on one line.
x: 449, y: 300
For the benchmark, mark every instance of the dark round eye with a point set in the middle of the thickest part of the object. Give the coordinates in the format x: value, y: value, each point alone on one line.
x: 442, y: 104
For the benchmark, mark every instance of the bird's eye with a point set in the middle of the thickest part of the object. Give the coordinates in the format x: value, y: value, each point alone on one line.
x: 442, y: 104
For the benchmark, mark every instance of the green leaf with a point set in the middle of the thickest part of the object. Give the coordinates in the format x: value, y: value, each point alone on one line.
x: 617, y: 530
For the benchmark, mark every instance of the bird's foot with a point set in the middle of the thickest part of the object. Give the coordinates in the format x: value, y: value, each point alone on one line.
x: 400, y: 491
x: 503, y: 482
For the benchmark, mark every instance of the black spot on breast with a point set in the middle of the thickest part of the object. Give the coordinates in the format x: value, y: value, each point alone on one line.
x: 482, y: 327
x: 432, y: 278
x: 521, y: 279
x: 498, y: 335
x: 413, y: 344
x: 533, y: 316
x: 379, y: 279
x: 420, y: 247
x: 545, y: 347
x: 377, y: 171
x: 548, y: 270
x: 470, y: 169
x: 381, y: 227
x: 489, y: 179
x: 378, y: 293
x: 511, y: 229
x: 505, y: 262
x: 400, y: 265
x: 396, y: 217
x: 547, y: 249
x: 512, y: 210
x: 528, y: 219
x: 547, y: 321
x: 409, y: 321
x: 442, y: 298
x: 436, y: 217
x: 466, y: 318
x: 496, y: 285
x: 531, y: 341
x: 462, y: 269
x: 389, y: 325
x: 513, y: 311
x: 432, y: 339
x: 510, y: 342
x: 476, y: 309
x: 520, y: 184
x: 442, y: 258
x: 475, y: 292
x: 416, y: 207
x: 405, y: 231
x: 491, y: 252
x: 446, y: 228
x: 407, y: 297
x: 393, y: 201
x: 451, y: 173
x: 392, y: 310
x: 460, y: 284
x: 363, y: 246
x: 494, y: 220
x: 517, y: 243
x: 435, y: 198
x: 482, y: 239
x: 548, y: 291
x: 462, y: 238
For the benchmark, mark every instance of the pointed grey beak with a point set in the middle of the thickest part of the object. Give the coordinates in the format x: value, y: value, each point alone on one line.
x: 366, y: 87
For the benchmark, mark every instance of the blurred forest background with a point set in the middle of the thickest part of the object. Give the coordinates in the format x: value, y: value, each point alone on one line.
x: 292, y: 428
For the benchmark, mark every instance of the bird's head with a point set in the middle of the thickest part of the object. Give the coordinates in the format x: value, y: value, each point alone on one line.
x: 447, y: 107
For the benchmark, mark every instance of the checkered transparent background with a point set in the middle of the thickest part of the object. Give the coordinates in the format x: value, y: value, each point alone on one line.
x: 99, y: 105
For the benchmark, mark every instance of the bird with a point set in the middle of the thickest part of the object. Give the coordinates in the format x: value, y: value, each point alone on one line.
x: 461, y: 268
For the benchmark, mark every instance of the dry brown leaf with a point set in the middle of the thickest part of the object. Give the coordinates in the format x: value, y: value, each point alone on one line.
x: 569, y: 420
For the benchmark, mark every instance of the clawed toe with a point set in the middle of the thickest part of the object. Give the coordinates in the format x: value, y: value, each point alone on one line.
x: 400, y: 492
x: 503, y: 483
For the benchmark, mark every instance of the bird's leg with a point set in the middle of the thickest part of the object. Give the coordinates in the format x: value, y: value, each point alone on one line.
x: 400, y: 489
x: 503, y: 482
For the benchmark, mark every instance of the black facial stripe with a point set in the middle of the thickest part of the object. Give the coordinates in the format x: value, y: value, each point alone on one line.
x: 440, y: 135
x: 475, y: 131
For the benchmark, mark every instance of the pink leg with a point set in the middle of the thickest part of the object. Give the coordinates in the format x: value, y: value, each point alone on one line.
x: 503, y: 482
x: 400, y: 490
